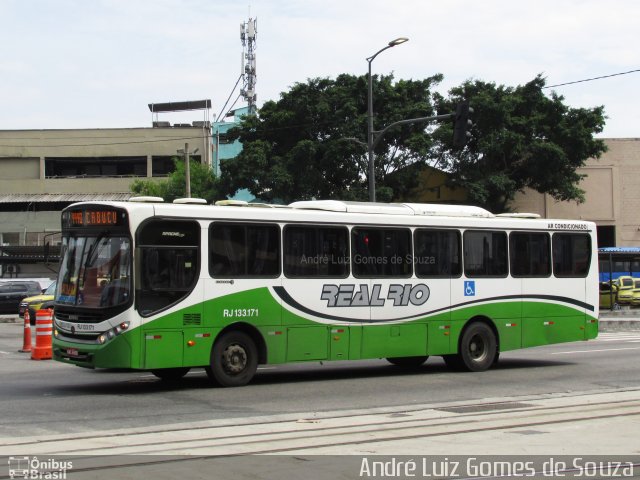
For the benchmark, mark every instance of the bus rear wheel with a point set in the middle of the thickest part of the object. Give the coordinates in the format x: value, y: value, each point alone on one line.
x: 407, y: 362
x: 478, y: 349
x: 234, y: 360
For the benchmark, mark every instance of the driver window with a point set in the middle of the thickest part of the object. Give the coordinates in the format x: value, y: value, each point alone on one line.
x: 167, y: 263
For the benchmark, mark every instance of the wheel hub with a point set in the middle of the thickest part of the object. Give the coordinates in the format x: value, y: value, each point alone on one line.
x: 476, y: 348
x: 234, y: 359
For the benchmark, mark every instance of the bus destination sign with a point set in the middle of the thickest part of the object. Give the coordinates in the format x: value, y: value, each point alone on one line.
x: 107, y: 217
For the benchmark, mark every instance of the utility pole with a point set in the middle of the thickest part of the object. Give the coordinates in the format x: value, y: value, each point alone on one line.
x: 187, y: 172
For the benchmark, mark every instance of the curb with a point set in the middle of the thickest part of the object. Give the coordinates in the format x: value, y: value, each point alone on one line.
x: 616, y: 325
x: 11, y: 319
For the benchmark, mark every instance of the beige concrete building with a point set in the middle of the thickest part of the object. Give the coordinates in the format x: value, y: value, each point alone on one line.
x: 612, y: 199
x: 42, y: 171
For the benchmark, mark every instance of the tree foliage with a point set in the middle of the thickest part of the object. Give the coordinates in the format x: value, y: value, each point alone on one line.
x: 203, y: 183
x: 520, y: 138
x: 312, y: 142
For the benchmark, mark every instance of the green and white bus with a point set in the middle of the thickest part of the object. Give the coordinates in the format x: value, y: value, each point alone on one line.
x: 166, y: 287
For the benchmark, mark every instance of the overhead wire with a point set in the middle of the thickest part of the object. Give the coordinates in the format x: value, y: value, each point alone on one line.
x: 229, y: 98
x: 592, y: 79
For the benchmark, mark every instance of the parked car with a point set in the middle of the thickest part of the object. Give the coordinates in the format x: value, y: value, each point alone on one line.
x: 609, y: 295
x: 33, y: 304
x: 635, y: 301
x: 12, y: 293
x: 49, y: 304
x: 625, y: 289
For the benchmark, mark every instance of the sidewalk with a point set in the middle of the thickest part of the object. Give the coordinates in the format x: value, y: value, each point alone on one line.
x: 572, y: 423
x: 615, y: 320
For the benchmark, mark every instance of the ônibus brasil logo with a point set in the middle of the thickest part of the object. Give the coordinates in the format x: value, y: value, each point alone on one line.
x: 34, y: 468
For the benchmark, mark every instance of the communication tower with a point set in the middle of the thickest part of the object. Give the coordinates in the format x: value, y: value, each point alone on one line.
x: 248, y: 31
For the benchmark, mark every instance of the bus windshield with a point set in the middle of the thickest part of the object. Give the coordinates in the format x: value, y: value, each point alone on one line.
x: 95, y: 271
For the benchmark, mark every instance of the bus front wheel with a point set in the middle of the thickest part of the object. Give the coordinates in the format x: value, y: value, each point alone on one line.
x: 234, y: 360
x: 478, y: 349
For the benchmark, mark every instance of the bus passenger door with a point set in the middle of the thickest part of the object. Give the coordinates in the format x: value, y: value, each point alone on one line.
x: 169, y: 291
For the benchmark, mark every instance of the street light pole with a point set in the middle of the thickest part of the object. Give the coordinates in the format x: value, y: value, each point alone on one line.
x: 370, y: 131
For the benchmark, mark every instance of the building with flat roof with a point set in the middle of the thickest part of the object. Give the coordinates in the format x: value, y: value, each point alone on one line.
x: 612, y: 195
x: 44, y: 171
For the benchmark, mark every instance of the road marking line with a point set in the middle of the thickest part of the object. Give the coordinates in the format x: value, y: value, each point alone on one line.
x: 6, y: 353
x: 591, y: 351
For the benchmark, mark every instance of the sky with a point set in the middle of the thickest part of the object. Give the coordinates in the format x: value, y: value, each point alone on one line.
x: 99, y: 63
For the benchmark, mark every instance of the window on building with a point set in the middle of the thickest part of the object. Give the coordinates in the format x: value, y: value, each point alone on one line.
x: 606, y: 236
x: 165, y: 165
x: 11, y: 238
x: 56, y: 167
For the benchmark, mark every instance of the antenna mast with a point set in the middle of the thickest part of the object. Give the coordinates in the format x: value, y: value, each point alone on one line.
x: 248, y: 31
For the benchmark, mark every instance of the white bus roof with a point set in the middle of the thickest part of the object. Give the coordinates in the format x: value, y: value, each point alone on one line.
x: 393, y: 208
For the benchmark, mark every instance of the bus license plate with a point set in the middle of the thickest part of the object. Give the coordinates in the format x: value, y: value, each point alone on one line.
x: 72, y: 352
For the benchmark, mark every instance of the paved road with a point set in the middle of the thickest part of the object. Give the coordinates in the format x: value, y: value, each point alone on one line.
x: 45, y: 397
x: 572, y: 399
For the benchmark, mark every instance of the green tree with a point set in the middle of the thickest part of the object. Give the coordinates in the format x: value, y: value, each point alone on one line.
x: 312, y: 142
x: 520, y: 138
x: 203, y: 183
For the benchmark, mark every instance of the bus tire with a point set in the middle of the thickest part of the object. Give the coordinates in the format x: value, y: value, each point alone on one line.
x: 171, y: 374
x: 478, y: 348
x: 407, y: 362
x: 234, y: 360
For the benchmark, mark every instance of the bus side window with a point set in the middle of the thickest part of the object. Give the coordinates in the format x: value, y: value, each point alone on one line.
x: 244, y: 250
x: 485, y: 254
x: 312, y: 251
x: 437, y: 253
x: 530, y: 254
x: 381, y: 252
x: 571, y: 254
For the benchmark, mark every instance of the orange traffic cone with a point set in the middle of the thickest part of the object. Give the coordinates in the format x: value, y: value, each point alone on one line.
x: 44, y: 329
x: 26, y: 338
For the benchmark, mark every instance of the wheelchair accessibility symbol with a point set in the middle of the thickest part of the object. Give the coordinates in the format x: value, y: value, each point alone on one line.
x: 470, y: 288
